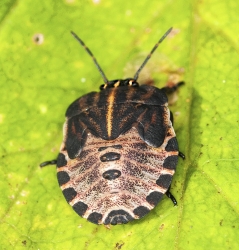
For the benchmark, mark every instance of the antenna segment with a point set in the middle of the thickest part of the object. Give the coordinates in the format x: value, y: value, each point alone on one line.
x: 92, y: 56
x: 150, y: 54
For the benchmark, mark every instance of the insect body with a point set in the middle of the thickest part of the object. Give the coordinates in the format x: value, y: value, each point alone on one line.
x: 119, y: 151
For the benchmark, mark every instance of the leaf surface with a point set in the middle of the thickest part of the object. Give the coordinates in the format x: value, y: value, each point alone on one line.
x: 43, y: 70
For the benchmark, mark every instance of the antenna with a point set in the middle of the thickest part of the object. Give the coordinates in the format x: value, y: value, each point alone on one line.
x: 150, y: 54
x: 92, y: 56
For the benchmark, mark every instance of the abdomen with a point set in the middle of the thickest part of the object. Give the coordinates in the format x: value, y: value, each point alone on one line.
x: 116, y: 181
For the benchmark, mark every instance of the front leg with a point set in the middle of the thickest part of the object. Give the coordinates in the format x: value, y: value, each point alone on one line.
x: 169, y: 90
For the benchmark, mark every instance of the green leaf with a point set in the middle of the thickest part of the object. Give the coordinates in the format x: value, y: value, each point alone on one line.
x: 43, y: 69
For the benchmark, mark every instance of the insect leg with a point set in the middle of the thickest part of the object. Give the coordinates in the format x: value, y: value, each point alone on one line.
x: 169, y: 90
x: 45, y: 163
x: 173, y: 199
x: 181, y: 155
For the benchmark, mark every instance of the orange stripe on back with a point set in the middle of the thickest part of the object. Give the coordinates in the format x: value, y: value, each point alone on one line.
x: 109, y: 115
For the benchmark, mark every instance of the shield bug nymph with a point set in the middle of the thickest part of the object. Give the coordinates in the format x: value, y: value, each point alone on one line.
x: 119, y: 150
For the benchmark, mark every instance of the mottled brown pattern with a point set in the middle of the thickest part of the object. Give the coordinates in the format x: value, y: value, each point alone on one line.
x: 109, y: 184
x: 140, y: 166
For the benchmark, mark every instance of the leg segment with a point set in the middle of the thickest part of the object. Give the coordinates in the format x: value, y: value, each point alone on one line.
x: 181, y: 155
x: 169, y: 90
x: 45, y: 163
x: 171, y: 197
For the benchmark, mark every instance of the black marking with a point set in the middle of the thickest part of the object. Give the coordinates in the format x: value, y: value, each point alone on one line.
x: 113, y: 146
x: 95, y: 217
x: 171, y: 162
x: 61, y: 160
x: 164, y: 180
x: 172, y: 145
x: 69, y: 194
x: 111, y: 174
x: 141, y: 211
x: 111, y: 156
x: 80, y: 208
x: 118, y: 217
x: 62, y: 177
x: 154, y: 198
